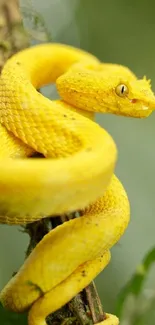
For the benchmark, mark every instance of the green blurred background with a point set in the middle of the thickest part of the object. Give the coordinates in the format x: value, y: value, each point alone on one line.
x: 119, y: 32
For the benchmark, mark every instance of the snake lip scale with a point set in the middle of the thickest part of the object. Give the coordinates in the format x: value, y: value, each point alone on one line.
x: 77, y: 174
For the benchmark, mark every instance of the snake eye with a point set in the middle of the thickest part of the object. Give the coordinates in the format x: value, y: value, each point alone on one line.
x: 121, y: 90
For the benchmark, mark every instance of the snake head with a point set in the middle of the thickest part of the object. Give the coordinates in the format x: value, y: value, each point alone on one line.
x: 135, y: 98
x: 107, y: 88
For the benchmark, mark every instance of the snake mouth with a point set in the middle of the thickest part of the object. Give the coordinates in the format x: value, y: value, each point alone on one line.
x: 143, y: 112
x: 142, y: 108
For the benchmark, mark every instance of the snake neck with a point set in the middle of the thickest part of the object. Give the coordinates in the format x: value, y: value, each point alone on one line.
x: 88, y: 114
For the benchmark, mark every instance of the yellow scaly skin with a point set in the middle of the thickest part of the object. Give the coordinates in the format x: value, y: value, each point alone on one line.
x: 78, y: 173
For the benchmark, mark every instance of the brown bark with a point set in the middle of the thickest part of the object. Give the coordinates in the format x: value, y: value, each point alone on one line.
x: 13, y: 37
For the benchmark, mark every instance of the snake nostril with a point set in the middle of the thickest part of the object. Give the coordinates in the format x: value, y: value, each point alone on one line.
x: 134, y: 100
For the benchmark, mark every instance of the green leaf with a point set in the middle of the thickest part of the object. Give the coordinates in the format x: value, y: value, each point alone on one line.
x: 34, y: 22
x: 11, y: 318
x: 132, y: 301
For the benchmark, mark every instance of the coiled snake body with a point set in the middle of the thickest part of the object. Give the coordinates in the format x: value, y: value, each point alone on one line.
x: 78, y: 173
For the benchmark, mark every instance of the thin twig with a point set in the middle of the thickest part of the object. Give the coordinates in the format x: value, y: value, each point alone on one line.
x: 94, y: 302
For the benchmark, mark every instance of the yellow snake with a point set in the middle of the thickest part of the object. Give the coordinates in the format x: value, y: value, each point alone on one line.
x: 78, y: 174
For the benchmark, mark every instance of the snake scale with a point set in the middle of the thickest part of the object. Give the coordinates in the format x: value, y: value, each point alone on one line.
x: 78, y: 173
